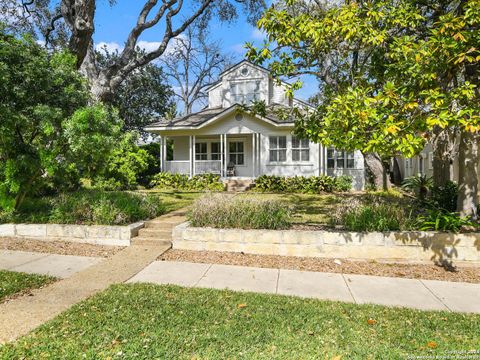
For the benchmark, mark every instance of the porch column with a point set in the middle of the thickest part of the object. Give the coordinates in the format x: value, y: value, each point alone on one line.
x: 259, y: 154
x: 225, y: 150
x: 164, y: 152
x: 160, y: 143
x: 190, y: 152
x: 221, y: 156
x: 254, y: 154
x: 193, y: 157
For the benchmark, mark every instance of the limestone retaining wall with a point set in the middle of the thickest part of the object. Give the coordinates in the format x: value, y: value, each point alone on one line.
x: 91, y: 234
x: 417, y: 246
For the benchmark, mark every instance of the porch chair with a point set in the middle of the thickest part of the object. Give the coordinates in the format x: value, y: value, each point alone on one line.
x: 231, y: 169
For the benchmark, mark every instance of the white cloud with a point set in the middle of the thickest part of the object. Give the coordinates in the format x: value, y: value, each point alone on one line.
x: 257, y: 34
x: 239, y: 48
x: 109, y: 47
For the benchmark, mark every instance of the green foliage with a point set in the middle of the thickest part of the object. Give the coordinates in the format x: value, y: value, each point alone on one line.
x: 301, y: 184
x: 39, y: 91
x: 440, y: 220
x: 88, y: 207
x: 50, y: 137
x: 420, y: 185
x: 145, y: 177
x: 343, y: 183
x: 124, y: 165
x: 143, y: 95
x: 397, y: 69
x: 374, y: 213
x: 444, y: 197
x: 199, y: 182
x: 224, y: 211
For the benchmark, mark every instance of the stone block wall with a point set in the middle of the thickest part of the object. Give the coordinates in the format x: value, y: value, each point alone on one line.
x: 91, y: 234
x: 417, y: 246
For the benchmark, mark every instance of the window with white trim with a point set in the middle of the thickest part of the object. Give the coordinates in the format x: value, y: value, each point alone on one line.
x: 300, y: 149
x: 236, y: 153
x: 350, y: 157
x: 330, y: 158
x: 245, y: 92
x: 278, y: 148
x: 201, y: 152
x: 430, y: 160
x: 337, y: 159
x: 215, y: 151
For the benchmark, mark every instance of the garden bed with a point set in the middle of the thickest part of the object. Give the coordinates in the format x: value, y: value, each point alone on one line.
x: 403, y: 270
x: 58, y: 247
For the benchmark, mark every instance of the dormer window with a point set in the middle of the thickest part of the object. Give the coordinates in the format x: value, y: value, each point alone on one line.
x: 245, y: 92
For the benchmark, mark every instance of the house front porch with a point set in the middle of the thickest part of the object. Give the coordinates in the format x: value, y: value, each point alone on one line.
x: 228, y: 155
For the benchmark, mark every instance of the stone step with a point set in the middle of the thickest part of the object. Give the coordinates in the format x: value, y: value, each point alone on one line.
x: 150, y: 241
x: 155, y: 233
x: 160, y: 225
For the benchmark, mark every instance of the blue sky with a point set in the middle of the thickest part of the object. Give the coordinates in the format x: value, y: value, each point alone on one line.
x: 114, y: 23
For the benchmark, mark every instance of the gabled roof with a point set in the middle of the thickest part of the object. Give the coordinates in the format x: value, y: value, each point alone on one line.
x: 237, y: 65
x: 209, y: 115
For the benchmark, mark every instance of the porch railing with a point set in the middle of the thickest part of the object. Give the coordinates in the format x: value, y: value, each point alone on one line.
x: 208, y: 166
x: 201, y: 167
x: 178, y: 167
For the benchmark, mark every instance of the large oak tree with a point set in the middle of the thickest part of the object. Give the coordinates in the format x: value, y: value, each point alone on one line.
x: 168, y: 18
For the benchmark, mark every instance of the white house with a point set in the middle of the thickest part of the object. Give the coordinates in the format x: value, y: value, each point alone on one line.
x: 226, y: 140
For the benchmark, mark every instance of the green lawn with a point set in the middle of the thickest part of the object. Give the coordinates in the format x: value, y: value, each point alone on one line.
x: 12, y: 283
x: 175, y: 200
x: 308, y: 209
x: 147, y: 321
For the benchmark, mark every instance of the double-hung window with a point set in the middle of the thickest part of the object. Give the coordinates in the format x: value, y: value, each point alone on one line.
x: 300, y: 149
x: 216, y: 152
x: 201, y: 152
x: 278, y: 148
x: 236, y: 153
x: 337, y: 159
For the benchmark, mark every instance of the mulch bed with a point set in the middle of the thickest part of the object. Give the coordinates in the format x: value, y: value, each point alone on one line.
x: 411, y: 271
x: 58, y: 247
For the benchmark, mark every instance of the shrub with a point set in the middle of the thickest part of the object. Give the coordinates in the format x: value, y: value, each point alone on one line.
x: 224, y: 211
x: 106, y: 208
x: 88, y: 207
x: 444, y: 197
x: 438, y: 220
x: 420, y: 185
x: 199, y: 182
x: 343, y: 183
x: 373, y: 214
x: 302, y: 184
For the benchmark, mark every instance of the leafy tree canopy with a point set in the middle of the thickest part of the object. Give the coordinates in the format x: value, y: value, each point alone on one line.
x: 390, y: 71
x: 46, y: 130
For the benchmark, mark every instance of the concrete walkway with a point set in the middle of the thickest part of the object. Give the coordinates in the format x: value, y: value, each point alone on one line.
x: 24, y: 314
x: 60, y: 266
x: 360, y: 289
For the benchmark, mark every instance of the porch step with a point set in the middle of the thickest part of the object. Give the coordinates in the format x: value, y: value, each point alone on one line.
x: 238, y: 185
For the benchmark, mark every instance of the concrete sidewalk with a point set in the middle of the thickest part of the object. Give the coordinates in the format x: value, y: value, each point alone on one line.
x: 60, y: 266
x: 418, y: 294
x: 24, y: 314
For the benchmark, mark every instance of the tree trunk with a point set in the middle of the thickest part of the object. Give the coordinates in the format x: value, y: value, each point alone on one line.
x: 376, y: 171
x: 442, y: 155
x: 468, y: 175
